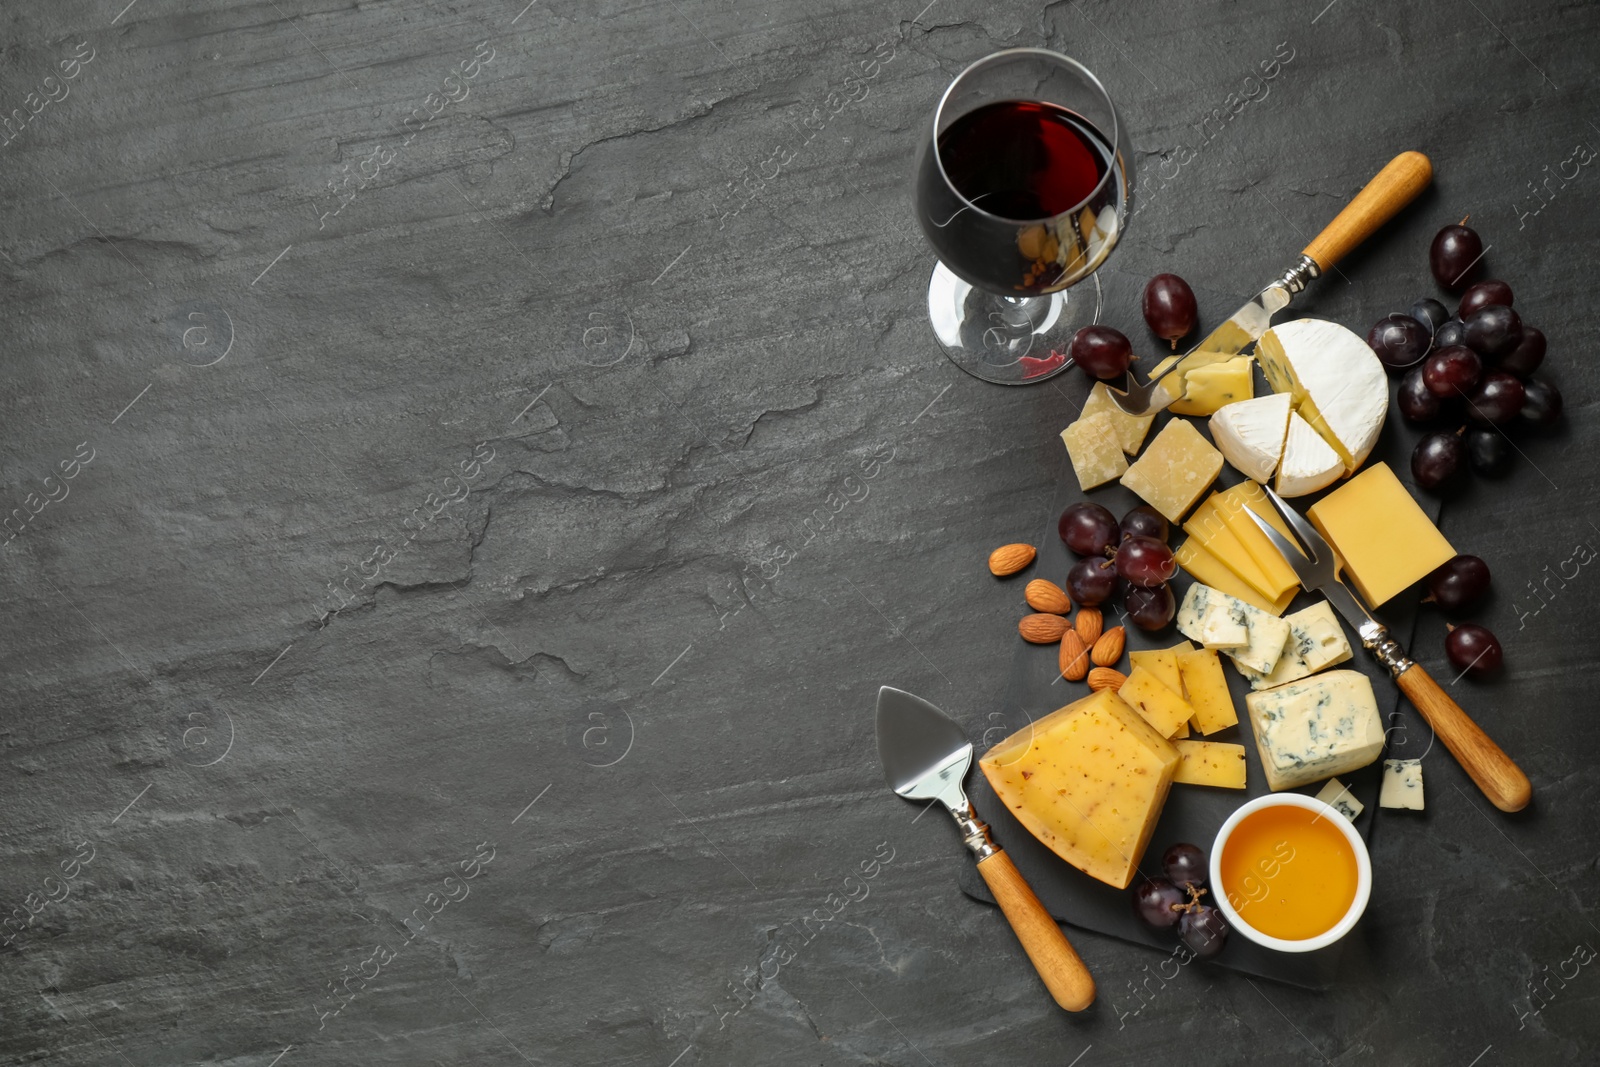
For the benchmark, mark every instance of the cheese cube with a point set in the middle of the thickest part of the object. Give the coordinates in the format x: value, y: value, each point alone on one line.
x: 1338, y: 796
x: 1309, y: 730
x: 1206, y: 689
x: 1267, y: 635
x: 1402, y: 784
x: 1210, y: 763
x: 1177, y: 468
x: 1231, y: 506
x: 1222, y: 631
x: 1203, y: 567
x: 1130, y: 428
x: 1096, y: 455
x: 1383, y: 537
x: 1163, y: 663
x: 1214, y: 386
x: 1316, y: 642
x: 1163, y: 709
x: 1088, y: 780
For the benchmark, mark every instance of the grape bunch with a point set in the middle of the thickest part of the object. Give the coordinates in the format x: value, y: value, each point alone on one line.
x: 1131, y: 555
x: 1174, y: 901
x: 1457, y: 584
x: 1473, y: 371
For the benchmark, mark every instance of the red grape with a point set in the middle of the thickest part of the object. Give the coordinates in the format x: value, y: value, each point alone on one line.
x: 1497, y: 399
x: 1542, y: 402
x: 1416, y: 402
x: 1150, y: 609
x: 1158, y: 903
x: 1452, y: 371
x: 1101, y: 351
x: 1459, y: 583
x: 1482, y: 295
x: 1430, y: 313
x: 1437, y: 460
x: 1146, y: 521
x: 1529, y: 353
x: 1091, y: 581
x: 1473, y: 650
x: 1144, y: 561
x: 1489, y: 452
x: 1453, y: 332
x: 1204, y: 930
x: 1169, y: 307
x: 1455, y: 256
x: 1185, y: 864
x: 1493, y: 331
x: 1399, y: 340
x: 1088, y: 529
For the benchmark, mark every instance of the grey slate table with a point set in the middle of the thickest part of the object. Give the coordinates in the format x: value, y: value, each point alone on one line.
x: 507, y: 453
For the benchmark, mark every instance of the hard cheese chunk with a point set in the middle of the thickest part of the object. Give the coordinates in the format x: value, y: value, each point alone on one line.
x: 1088, y: 780
x: 1383, y: 537
x: 1202, y: 566
x: 1175, y: 470
x: 1338, y: 796
x: 1096, y: 453
x: 1130, y: 429
x: 1402, y: 784
x: 1206, y: 689
x: 1316, y: 642
x: 1309, y: 730
x: 1211, y: 763
x: 1267, y: 635
x: 1167, y: 712
x: 1210, y: 388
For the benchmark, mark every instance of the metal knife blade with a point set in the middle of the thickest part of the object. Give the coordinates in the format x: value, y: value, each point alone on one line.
x: 925, y: 753
x: 1242, y: 329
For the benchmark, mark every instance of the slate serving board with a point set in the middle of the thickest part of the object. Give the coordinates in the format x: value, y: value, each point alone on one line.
x: 1192, y: 813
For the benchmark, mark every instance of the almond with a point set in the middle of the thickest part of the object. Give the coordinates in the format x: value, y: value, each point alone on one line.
x: 1009, y: 559
x: 1106, y: 678
x: 1108, y: 648
x: 1042, y: 629
x: 1088, y: 625
x: 1074, y: 657
x: 1047, y: 596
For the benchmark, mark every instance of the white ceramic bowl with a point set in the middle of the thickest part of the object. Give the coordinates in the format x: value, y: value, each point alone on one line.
x: 1363, y: 874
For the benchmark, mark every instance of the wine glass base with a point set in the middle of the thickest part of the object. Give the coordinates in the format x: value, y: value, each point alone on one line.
x: 1008, y: 340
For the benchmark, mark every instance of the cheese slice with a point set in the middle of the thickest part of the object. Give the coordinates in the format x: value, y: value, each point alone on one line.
x: 1203, y: 567
x: 1209, y: 389
x: 1312, y: 729
x: 1231, y: 505
x: 1385, y: 541
x: 1338, y: 796
x: 1095, y: 450
x: 1177, y: 468
x: 1206, y: 689
x: 1163, y: 663
x: 1250, y: 434
x: 1130, y: 429
x: 1308, y: 463
x: 1402, y: 784
x: 1088, y: 780
x: 1215, y: 763
x: 1206, y: 525
x: 1316, y: 642
x: 1337, y: 381
x: 1167, y: 712
x: 1267, y: 635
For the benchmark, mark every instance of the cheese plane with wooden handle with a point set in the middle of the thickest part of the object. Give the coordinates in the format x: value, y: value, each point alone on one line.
x: 925, y: 757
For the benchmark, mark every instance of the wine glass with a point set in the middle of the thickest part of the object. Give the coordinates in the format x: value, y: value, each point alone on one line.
x: 1023, y: 188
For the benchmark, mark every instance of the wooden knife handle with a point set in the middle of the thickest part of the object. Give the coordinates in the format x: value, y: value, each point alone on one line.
x: 1501, y: 780
x: 1064, y: 974
x: 1395, y: 186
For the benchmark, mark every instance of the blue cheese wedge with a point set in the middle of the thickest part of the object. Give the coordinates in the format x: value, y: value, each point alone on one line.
x: 1338, y: 796
x: 1267, y: 634
x: 1316, y: 642
x: 1219, y: 630
x: 1402, y: 784
x: 1313, y: 729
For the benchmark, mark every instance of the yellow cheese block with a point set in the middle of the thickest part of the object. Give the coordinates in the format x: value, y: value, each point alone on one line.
x: 1175, y: 471
x: 1211, y: 763
x: 1130, y: 429
x: 1208, y: 526
x: 1209, y: 570
x: 1088, y: 780
x: 1205, y: 687
x: 1163, y: 709
x: 1214, y: 386
x: 1231, y: 505
x: 1095, y: 450
x: 1381, y: 534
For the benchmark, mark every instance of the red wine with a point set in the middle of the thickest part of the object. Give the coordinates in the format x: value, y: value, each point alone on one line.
x: 1023, y: 159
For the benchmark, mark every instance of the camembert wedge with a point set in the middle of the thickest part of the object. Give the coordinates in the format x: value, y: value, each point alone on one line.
x: 1250, y: 434
x: 1308, y: 463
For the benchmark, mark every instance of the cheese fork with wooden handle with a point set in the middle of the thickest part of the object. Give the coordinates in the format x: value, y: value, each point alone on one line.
x: 1501, y: 780
x: 925, y: 756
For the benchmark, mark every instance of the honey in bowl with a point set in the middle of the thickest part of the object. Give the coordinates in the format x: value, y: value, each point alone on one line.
x: 1289, y: 872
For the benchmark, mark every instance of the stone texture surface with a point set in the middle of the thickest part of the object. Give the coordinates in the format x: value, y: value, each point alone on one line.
x: 629, y: 334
